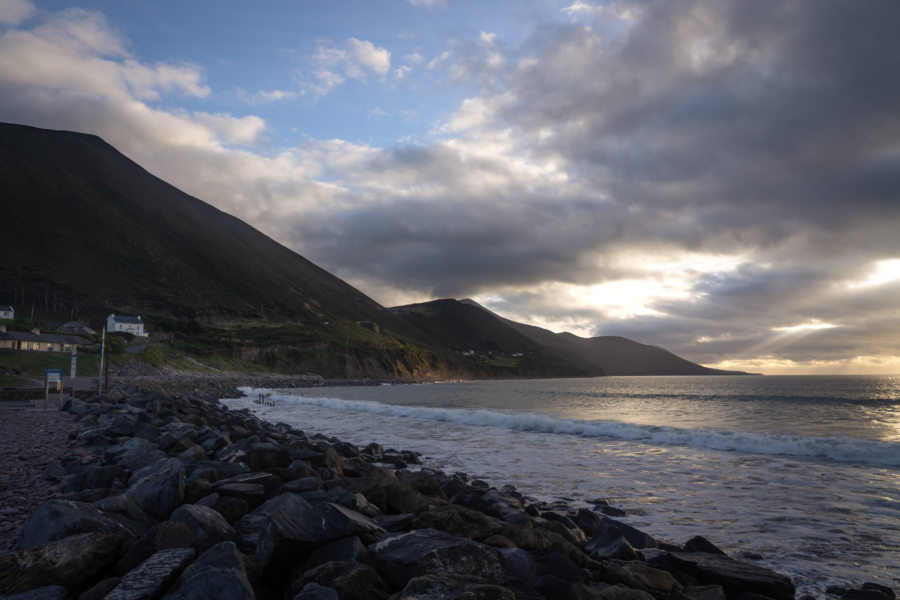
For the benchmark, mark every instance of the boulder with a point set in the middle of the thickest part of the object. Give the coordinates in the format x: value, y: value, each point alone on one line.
x: 348, y: 549
x: 219, y: 573
x: 209, y: 527
x: 698, y: 543
x: 262, y: 456
x: 314, y: 591
x: 162, y: 536
x: 637, y: 538
x: 69, y: 562
x: 399, y: 557
x: 98, y: 476
x: 233, y: 509
x: 133, y: 454
x: 638, y: 575
x: 48, y: 592
x: 253, y: 494
x: 249, y: 526
x: 289, y: 536
x: 154, y: 576
x: 351, y: 581
x: 57, y: 519
x: 734, y: 576
x: 444, y: 587
x: 608, y: 542
x: 159, y: 487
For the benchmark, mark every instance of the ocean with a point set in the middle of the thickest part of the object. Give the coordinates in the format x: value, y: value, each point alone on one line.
x: 802, y: 471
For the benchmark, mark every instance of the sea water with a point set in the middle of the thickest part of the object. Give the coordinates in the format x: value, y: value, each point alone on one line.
x: 801, y: 471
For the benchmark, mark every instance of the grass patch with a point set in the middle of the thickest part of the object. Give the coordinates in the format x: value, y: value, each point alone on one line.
x: 33, y: 364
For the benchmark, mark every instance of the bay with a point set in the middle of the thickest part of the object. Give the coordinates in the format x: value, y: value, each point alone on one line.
x: 803, y: 471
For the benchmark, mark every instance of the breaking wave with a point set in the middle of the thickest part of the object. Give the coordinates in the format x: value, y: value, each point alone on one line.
x: 843, y: 449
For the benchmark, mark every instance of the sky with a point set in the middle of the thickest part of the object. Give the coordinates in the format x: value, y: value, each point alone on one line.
x: 721, y: 179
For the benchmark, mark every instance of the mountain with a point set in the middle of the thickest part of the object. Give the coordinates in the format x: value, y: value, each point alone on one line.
x: 612, y: 355
x: 88, y: 232
x: 96, y: 228
x: 489, y: 341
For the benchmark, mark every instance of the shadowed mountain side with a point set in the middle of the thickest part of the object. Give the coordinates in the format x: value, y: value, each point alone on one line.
x: 104, y: 231
x: 613, y: 355
x: 469, y: 329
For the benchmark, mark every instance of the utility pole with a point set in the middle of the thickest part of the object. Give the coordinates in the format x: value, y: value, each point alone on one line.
x: 102, y: 348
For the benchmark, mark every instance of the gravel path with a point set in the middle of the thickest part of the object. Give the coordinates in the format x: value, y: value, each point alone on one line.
x: 30, y: 440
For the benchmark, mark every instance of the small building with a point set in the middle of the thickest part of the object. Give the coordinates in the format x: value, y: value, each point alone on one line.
x: 7, y: 312
x: 132, y: 325
x: 35, y: 341
x: 75, y: 328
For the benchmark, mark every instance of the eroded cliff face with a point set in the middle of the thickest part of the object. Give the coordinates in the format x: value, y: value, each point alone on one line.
x: 333, y: 361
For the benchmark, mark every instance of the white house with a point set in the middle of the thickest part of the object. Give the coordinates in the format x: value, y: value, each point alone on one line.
x: 7, y: 312
x: 132, y: 325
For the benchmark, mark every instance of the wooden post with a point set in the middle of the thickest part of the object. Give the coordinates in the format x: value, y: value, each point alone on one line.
x: 102, y: 349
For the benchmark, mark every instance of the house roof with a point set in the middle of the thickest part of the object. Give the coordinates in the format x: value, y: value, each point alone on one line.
x: 7, y: 308
x: 129, y: 320
x: 27, y: 336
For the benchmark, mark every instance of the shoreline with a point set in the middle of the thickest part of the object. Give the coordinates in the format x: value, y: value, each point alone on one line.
x: 583, y: 552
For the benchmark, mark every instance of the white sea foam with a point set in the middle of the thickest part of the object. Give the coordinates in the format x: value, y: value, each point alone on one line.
x: 842, y: 449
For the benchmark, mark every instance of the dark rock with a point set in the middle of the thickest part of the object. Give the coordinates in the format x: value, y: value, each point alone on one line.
x: 57, y: 519
x: 612, y: 511
x: 445, y: 587
x: 98, y: 476
x: 608, y: 542
x: 638, y: 575
x: 252, y: 493
x: 399, y: 557
x: 698, y: 543
x: 262, y: 456
x: 49, y: 592
x: 268, y: 481
x: 351, y: 581
x: 519, y: 565
x: 162, y: 536
x: 554, y: 560
x: 208, y: 525
x: 395, y: 523
x: 314, y: 591
x: 865, y: 594
x: 348, y: 549
x: 69, y: 562
x: 881, y: 588
x: 219, y: 573
x: 154, y: 576
x: 99, y: 590
x: 159, y: 487
x: 249, y: 526
x: 233, y: 509
x: 423, y: 483
x: 133, y: 454
x: 700, y: 592
x: 734, y: 576
x: 637, y: 538
x: 126, y: 511
x: 288, y: 536
x: 304, y: 484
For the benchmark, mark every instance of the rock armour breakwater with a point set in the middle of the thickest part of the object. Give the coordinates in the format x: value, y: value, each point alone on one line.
x: 171, y: 495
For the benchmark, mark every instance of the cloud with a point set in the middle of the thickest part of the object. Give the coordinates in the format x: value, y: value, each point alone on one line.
x: 355, y: 59
x: 15, y: 12
x: 428, y: 3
